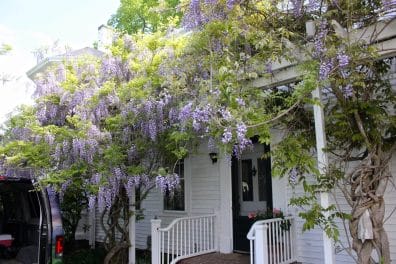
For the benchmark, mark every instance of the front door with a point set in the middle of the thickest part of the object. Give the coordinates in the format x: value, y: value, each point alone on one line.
x: 252, y: 191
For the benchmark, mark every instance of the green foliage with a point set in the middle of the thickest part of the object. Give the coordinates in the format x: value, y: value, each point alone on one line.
x: 73, y: 202
x: 5, y: 48
x: 134, y: 16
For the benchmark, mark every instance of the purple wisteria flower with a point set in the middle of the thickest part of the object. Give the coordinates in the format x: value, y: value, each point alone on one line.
x: 49, y: 139
x: 185, y: 113
x: 108, y: 197
x: 314, y: 5
x: 167, y: 183
x: 348, y: 91
x: 132, y: 153
x: 201, y: 116
x: 91, y: 202
x: 343, y: 59
x: 101, y: 199
x: 111, y: 67
x: 388, y: 9
x: 240, y: 102
x: 193, y: 17
x: 211, y: 145
x: 63, y: 189
x: 297, y: 7
x: 325, y: 69
x: 231, y: 3
x: 225, y: 114
x: 211, y: 2
x: 152, y: 129
x: 58, y: 152
x: 243, y: 142
x: 95, y: 179
x: 21, y: 133
x: 319, y: 40
x: 293, y: 176
x: 227, y: 136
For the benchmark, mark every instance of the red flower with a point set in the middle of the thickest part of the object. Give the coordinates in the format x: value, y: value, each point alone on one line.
x: 252, y: 215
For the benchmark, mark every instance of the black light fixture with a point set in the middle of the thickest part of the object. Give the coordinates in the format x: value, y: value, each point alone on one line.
x: 213, y: 157
x: 254, y: 171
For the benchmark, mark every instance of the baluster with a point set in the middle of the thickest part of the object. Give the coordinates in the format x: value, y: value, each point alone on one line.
x: 173, y: 241
x: 189, y: 236
x: 167, y: 251
x: 286, y: 237
x: 200, y: 234
x: 283, y: 241
x: 162, y: 247
x: 288, y: 240
x: 193, y: 234
x: 251, y: 251
x: 271, y: 242
x: 277, y: 241
x: 204, y: 234
x: 213, y: 232
x: 185, y: 237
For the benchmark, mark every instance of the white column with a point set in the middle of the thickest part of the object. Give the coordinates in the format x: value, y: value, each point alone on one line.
x: 224, y: 216
x: 132, y: 228
x: 155, y: 246
x: 260, y: 244
x: 322, y: 166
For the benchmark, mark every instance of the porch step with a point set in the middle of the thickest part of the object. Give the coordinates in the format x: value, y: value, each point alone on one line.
x: 218, y: 258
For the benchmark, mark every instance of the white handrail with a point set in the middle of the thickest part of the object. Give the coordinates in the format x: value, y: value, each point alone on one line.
x: 174, y: 221
x: 272, y: 241
x: 250, y: 234
x: 183, y: 238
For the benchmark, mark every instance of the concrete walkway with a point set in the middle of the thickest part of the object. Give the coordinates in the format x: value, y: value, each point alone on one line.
x: 218, y: 258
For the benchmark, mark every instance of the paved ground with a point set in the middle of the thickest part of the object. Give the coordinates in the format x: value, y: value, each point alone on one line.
x: 218, y: 258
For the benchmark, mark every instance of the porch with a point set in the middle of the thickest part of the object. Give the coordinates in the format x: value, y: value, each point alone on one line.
x: 218, y: 258
x: 194, y: 239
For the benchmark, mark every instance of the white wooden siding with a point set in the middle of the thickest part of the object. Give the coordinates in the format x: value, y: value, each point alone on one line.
x: 202, y: 195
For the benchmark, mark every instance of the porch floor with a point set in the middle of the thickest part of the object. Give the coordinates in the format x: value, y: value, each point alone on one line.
x: 218, y: 258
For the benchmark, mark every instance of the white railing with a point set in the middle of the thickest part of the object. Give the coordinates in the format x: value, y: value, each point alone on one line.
x: 183, y: 238
x: 272, y: 241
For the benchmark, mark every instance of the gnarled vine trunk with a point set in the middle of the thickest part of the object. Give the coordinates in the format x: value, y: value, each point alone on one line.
x: 368, y: 185
x: 116, y: 225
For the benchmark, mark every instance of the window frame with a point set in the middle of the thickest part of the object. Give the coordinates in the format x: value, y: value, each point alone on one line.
x: 167, y: 210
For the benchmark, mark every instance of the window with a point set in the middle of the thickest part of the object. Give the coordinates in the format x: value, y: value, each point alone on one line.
x: 175, y: 200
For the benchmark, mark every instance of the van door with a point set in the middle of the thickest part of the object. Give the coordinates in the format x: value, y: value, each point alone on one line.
x: 42, y: 230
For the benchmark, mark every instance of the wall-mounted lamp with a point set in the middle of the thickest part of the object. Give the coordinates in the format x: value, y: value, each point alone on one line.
x: 254, y: 171
x: 213, y: 157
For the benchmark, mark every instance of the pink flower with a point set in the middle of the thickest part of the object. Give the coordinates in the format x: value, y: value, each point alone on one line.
x: 252, y: 215
x: 276, y: 211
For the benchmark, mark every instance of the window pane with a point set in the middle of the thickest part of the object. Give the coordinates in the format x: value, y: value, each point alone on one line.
x: 262, y: 179
x: 175, y: 200
x: 247, y: 180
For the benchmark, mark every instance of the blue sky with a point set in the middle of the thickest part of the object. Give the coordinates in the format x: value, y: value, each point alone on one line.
x: 30, y: 24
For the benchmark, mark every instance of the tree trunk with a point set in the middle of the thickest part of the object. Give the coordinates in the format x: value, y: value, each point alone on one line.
x: 368, y: 188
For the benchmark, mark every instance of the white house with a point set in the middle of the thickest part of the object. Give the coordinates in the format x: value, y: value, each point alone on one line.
x: 210, y: 212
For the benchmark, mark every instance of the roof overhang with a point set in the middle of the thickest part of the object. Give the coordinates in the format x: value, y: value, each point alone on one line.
x: 382, y: 35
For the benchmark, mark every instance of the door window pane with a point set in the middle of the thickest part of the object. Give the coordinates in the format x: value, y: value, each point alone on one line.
x: 262, y: 179
x: 247, y: 180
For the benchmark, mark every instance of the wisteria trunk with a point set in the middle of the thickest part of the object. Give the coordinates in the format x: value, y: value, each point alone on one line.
x: 116, y: 230
x: 368, y: 184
